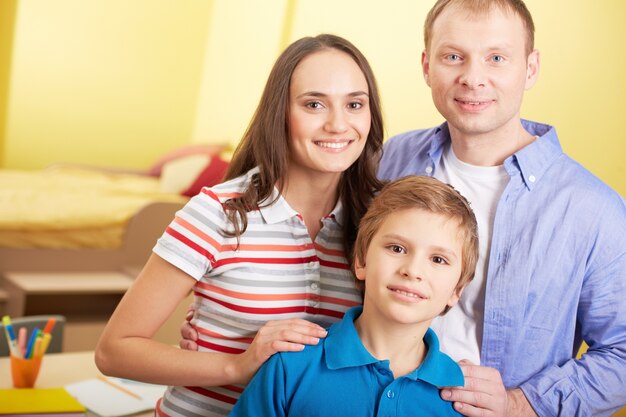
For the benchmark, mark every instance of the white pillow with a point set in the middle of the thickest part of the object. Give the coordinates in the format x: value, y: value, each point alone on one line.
x: 178, y: 174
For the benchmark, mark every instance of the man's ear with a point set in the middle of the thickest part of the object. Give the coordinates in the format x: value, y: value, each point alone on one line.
x: 359, y: 270
x: 532, y: 69
x: 426, y: 66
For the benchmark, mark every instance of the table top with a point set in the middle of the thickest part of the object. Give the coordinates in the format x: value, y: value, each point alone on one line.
x: 91, y: 282
x: 58, y: 370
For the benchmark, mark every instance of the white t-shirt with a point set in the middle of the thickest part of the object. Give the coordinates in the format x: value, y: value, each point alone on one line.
x: 482, y: 186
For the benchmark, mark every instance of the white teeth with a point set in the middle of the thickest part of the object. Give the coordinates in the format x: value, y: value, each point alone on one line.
x: 332, y: 145
x: 408, y: 294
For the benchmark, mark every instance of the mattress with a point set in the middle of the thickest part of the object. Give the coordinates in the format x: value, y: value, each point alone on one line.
x: 69, y: 207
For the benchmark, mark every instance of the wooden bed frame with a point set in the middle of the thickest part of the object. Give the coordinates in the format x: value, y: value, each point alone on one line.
x: 141, y: 234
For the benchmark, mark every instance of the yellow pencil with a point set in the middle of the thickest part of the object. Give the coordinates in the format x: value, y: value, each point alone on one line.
x: 45, y: 342
x: 113, y: 384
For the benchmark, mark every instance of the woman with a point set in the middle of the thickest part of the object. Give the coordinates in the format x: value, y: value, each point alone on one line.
x: 266, y: 252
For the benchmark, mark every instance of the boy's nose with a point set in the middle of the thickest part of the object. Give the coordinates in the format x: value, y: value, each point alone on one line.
x: 412, y: 269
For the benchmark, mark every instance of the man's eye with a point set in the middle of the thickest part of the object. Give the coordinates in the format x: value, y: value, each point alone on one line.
x: 497, y: 58
x: 453, y: 57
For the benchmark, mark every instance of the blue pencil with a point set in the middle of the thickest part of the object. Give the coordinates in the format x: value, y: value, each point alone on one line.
x: 31, y: 343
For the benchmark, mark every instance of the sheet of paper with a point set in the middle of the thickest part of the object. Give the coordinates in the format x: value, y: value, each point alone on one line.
x: 107, y: 400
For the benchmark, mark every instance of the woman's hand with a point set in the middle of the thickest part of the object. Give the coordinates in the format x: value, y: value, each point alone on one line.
x: 278, y: 336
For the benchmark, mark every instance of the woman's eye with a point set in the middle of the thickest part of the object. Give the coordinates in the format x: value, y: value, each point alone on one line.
x: 314, y: 105
x: 355, y: 105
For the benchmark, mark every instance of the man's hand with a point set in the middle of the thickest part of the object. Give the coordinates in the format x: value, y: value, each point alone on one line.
x: 189, y: 333
x: 484, y: 395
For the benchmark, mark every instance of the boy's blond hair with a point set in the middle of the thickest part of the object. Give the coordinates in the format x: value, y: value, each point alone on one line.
x: 481, y: 8
x: 424, y: 193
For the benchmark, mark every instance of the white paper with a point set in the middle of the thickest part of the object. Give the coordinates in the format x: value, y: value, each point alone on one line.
x: 106, y: 400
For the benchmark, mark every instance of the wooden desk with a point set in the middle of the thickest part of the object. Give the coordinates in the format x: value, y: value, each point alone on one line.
x: 66, y: 293
x: 59, y: 369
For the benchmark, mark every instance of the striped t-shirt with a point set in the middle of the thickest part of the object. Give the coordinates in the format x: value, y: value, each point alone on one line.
x: 276, y: 273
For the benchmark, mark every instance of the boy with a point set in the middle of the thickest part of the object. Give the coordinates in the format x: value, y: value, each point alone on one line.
x: 415, y: 252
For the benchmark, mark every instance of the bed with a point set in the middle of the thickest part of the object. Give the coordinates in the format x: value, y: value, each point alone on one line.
x: 71, y: 217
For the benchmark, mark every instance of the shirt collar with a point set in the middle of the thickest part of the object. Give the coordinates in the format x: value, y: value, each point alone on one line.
x: 278, y: 210
x: 531, y: 162
x: 437, y: 145
x: 343, y: 348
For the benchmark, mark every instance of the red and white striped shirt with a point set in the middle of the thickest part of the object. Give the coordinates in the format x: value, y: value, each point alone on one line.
x: 277, y: 272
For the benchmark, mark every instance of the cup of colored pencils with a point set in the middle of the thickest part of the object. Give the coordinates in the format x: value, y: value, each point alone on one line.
x: 27, y: 351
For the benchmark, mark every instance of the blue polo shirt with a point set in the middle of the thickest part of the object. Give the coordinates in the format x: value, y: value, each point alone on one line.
x: 339, y: 377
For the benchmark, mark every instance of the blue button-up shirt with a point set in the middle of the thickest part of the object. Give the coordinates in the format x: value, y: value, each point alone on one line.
x: 556, y: 274
x: 339, y: 377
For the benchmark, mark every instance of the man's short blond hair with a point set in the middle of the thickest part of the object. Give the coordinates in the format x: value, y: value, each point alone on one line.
x: 481, y: 8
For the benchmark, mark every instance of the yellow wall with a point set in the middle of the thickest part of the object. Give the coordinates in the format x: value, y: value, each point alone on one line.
x: 581, y: 88
x: 119, y: 83
x: 107, y: 82
x: 7, y: 19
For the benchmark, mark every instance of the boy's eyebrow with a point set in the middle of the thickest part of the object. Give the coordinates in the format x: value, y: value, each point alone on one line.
x: 447, y: 252
x: 440, y: 249
x: 320, y: 94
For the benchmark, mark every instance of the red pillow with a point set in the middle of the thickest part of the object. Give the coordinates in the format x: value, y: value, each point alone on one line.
x: 212, y: 150
x: 212, y: 174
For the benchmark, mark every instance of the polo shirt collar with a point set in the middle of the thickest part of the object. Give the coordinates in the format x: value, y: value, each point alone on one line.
x: 343, y: 348
x: 278, y: 210
x: 437, y: 369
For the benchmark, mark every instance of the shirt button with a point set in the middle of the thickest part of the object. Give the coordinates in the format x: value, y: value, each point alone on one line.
x: 429, y: 169
x: 532, y: 178
x: 311, y: 264
x: 314, y: 286
x: 390, y: 394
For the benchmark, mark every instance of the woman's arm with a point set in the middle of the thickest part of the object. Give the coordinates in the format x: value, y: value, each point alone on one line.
x: 126, y: 348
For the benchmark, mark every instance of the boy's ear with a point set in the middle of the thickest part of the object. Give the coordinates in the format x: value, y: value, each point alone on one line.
x: 456, y: 295
x: 359, y: 270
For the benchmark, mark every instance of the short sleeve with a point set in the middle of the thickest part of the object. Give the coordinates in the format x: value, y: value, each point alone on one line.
x: 193, y: 240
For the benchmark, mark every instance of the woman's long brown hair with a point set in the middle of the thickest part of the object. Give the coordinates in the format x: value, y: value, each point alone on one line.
x: 265, y: 143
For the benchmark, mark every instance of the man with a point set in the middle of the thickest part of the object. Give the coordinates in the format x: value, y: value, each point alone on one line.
x: 552, y: 267
x: 552, y: 270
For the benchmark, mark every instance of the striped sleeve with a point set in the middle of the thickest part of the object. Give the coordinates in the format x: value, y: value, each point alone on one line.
x: 193, y: 240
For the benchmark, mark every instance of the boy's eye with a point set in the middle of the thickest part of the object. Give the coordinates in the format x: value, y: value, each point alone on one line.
x: 453, y: 57
x: 439, y: 260
x: 497, y: 58
x: 396, y: 249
